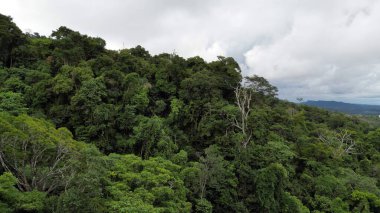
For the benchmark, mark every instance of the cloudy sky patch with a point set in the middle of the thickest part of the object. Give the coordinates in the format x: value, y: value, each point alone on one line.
x: 325, y: 49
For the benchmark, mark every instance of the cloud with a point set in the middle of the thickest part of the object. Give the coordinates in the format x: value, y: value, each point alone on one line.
x: 330, y: 53
x: 326, y: 49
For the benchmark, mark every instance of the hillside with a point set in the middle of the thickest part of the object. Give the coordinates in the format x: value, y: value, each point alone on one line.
x: 87, y: 129
x: 346, y: 107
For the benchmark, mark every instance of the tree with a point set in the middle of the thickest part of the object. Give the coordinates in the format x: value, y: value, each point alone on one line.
x: 88, y: 96
x: 212, y: 180
x: 340, y: 141
x: 10, y: 37
x: 36, y: 153
x: 70, y: 47
x: 365, y: 202
x: 12, y: 102
x: 156, y: 143
x: 243, y: 99
x: 86, y: 192
x: 261, y: 86
x: 270, y: 187
x: 203, y: 140
x: 138, y: 185
x: 33, y: 52
x: 228, y: 74
x: 11, y: 199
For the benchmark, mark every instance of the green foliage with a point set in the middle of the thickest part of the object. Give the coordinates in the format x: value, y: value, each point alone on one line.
x: 261, y: 88
x: 8, y: 193
x: 365, y: 201
x: 10, y: 37
x: 212, y: 178
x: 86, y: 190
x: 156, y: 143
x: 293, y: 204
x: 12, y: 102
x: 36, y: 153
x: 152, y: 185
x: 270, y: 186
x: 329, y: 186
x: 11, y: 199
x: 204, y: 206
x: 70, y: 46
x: 166, y: 134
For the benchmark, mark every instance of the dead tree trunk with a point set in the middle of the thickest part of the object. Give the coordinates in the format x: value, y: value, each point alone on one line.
x: 243, y: 102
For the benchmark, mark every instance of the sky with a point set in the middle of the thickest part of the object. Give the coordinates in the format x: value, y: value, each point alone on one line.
x: 313, y: 49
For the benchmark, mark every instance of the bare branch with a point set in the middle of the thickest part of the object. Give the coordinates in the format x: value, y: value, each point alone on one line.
x: 243, y: 100
x: 341, y: 141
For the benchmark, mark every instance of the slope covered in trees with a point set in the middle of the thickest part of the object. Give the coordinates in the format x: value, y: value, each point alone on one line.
x: 86, y: 129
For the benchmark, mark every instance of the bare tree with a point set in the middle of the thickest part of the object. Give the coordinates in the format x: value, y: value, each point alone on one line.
x: 36, y: 165
x: 243, y: 101
x: 341, y: 141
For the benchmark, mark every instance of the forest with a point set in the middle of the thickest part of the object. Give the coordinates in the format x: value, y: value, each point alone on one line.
x: 87, y: 129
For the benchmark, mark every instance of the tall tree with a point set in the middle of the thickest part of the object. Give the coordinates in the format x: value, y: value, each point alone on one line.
x: 10, y: 37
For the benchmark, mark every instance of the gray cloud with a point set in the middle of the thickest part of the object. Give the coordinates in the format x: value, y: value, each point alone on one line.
x: 327, y: 49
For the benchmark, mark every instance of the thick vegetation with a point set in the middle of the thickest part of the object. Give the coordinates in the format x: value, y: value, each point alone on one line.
x: 86, y: 129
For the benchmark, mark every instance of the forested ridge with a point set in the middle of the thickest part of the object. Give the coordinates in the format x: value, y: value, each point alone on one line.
x: 86, y: 129
x: 355, y: 109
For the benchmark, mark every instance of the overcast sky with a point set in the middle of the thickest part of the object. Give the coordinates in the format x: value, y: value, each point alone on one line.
x: 315, y: 49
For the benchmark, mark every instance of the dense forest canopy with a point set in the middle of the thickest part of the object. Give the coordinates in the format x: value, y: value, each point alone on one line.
x: 86, y: 129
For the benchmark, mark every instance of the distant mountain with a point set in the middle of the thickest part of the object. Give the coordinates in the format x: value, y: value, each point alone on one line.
x: 346, y: 107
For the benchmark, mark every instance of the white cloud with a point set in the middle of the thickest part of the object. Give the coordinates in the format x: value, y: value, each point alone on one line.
x: 327, y: 49
x: 330, y: 53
